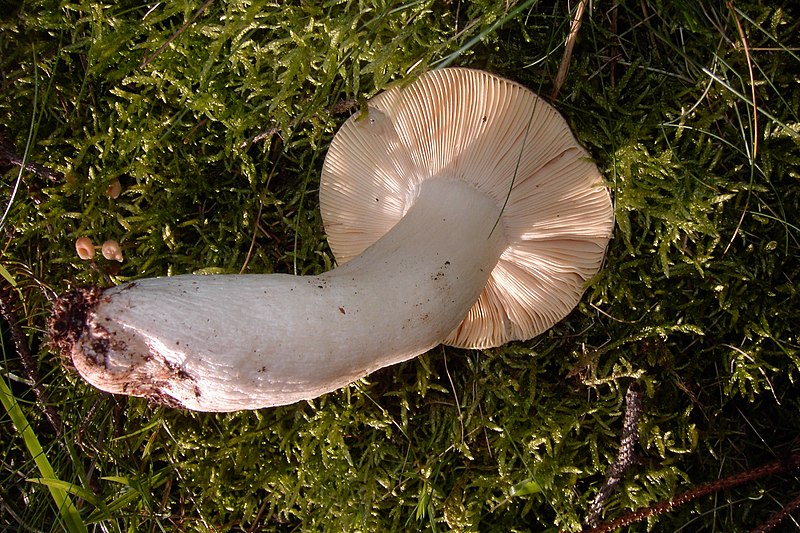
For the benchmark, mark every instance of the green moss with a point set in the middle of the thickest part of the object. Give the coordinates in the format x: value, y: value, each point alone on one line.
x: 216, y: 119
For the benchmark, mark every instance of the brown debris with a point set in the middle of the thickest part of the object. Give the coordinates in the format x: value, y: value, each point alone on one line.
x: 68, y: 321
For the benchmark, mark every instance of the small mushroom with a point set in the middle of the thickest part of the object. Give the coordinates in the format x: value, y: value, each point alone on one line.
x: 114, y: 189
x: 461, y: 210
x: 111, y: 250
x: 85, y: 248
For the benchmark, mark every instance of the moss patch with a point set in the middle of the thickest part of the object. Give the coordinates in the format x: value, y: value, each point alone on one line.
x: 215, y: 118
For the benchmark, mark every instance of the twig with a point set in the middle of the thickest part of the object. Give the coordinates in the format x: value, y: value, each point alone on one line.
x: 148, y: 59
x: 752, y: 78
x: 340, y: 107
x: 253, y: 239
x: 769, y: 469
x: 256, y: 523
x: 774, y: 520
x: 563, y: 68
x: 7, y: 153
x: 18, y: 338
x: 261, y: 136
x: 755, y: 116
x: 612, y: 65
x: 455, y: 395
x: 625, y: 456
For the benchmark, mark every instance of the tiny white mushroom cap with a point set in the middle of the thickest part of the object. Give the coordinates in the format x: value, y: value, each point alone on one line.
x: 495, y: 134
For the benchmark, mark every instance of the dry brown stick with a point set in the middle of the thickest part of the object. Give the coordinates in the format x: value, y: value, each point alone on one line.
x: 148, y: 59
x: 563, y: 68
x: 755, y: 114
x: 625, y: 456
x: 769, y: 469
x: 7, y: 153
x: 18, y: 338
x: 775, y: 520
x: 612, y: 66
x: 342, y: 106
x: 752, y: 77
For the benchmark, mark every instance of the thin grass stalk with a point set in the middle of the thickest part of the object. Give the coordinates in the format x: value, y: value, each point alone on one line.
x: 66, y: 508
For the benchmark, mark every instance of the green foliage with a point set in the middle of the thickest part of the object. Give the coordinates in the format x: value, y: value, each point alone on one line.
x: 67, y: 511
x: 215, y: 118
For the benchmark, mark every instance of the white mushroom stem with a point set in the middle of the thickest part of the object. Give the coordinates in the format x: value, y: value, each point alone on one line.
x: 224, y: 343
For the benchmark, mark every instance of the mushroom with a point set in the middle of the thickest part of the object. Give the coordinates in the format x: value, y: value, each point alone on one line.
x: 460, y: 209
x: 111, y: 250
x: 114, y: 189
x: 85, y: 248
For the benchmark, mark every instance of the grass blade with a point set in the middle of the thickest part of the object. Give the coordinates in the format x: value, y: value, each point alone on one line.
x: 67, y: 509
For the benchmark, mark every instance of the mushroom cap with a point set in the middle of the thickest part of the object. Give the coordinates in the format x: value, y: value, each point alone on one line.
x: 84, y: 247
x: 495, y: 134
x: 111, y: 250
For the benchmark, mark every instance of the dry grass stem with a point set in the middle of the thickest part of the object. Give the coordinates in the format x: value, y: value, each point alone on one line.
x: 563, y: 68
